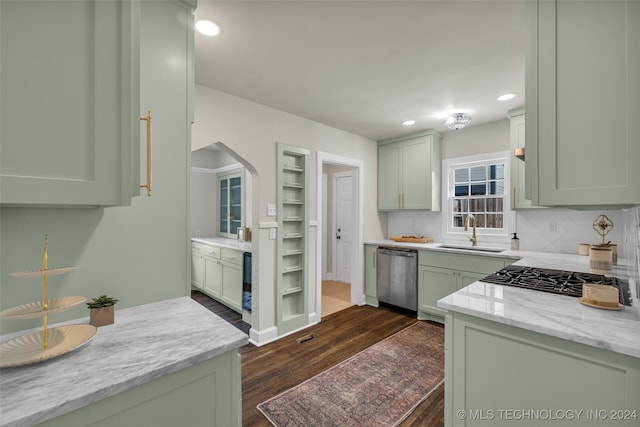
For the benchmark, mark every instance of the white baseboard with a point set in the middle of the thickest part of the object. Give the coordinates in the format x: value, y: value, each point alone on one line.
x: 263, y: 337
x: 269, y: 335
x: 328, y: 276
x: 314, y: 318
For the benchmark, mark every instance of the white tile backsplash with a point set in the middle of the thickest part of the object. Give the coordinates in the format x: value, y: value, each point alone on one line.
x: 571, y: 227
x: 533, y: 227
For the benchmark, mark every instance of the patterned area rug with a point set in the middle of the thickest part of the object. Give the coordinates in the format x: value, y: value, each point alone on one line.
x: 380, y: 386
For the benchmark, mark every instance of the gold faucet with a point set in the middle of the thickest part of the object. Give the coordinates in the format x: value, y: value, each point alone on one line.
x: 466, y: 227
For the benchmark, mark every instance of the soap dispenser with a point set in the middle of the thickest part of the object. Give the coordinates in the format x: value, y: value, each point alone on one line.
x: 515, y: 242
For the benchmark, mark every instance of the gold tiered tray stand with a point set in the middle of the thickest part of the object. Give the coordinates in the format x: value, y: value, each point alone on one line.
x: 48, y: 343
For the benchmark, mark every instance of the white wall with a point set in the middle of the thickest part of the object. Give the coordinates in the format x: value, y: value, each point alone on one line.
x: 486, y: 138
x: 203, y: 203
x: 251, y: 130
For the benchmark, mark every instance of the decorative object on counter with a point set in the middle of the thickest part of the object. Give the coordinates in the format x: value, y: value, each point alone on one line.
x: 48, y: 343
x: 583, y: 249
x: 101, y: 310
x: 411, y: 239
x: 601, y: 296
x: 515, y: 242
x: 244, y: 233
x: 602, y: 225
x: 600, y: 258
x: 614, y: 251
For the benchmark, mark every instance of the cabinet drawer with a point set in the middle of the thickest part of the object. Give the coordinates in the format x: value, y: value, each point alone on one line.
x: 461, y: 262
x: 211, y: 251
x: 231, y: 255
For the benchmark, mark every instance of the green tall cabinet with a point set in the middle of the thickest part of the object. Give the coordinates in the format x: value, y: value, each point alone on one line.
x: 292, y: 309
x: 409, y: 172
x: 70, y: 105
x: 583, y: 102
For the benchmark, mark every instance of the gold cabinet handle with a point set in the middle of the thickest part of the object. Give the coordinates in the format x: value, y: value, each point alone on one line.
x: 514, y: 198
x: 147, y: 118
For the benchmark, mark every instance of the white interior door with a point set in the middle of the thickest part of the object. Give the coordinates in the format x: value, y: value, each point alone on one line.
x: 343, y: 231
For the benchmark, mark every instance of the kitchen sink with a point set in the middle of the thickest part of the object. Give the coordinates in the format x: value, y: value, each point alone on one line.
x: 472, y: 248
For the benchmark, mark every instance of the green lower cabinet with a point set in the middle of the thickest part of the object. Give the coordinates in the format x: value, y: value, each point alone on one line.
x: 441, y: 274
x: 497, y: 374
x: 434, y: 283
x: 204, y: 395
x: 370, y: 276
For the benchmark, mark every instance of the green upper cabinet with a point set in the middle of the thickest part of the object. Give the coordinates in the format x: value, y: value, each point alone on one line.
x: 230, y: 203
x: 583, y: 102
x: 409, y: 172
x: 70, y: 122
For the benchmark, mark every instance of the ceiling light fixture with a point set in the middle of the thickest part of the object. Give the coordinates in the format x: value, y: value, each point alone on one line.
x: 457, y: 121
x: 208, y: 27
x: 506, y: 96
x: 409, y: 122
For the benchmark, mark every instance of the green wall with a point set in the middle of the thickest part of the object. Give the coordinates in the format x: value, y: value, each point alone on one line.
x: 135, y: 253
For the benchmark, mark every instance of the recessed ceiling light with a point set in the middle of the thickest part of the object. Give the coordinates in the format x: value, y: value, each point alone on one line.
x: 506, y: 96
x: 208, y: 27
x: 409, y: 122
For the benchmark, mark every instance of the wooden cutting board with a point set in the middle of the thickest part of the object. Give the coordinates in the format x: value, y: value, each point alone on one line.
x: 411, y: 239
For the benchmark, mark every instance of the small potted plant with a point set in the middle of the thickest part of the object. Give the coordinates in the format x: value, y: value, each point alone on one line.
x: 101, y: 310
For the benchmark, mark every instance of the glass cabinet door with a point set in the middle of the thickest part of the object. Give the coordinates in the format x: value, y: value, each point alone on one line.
x: 235, y: 204
x: 223, y: 216
x: 230, y: 203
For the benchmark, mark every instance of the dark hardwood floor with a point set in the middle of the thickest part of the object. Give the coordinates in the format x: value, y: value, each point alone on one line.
x: 276, y: 367
x: 221, y: 310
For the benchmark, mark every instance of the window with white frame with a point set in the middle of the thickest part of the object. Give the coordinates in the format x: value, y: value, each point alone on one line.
x: 477, y: 187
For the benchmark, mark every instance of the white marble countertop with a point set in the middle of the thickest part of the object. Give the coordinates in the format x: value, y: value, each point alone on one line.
x: 145, y: 343
x: 239, y: 245
x: 556, y: 315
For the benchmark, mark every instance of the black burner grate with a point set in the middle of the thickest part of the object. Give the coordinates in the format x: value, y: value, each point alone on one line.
x: 555, y: 281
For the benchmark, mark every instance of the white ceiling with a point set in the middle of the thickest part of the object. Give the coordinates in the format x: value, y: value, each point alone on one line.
x: 366, y: 66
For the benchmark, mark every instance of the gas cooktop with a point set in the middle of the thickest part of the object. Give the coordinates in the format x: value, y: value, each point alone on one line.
x: 555, y: 281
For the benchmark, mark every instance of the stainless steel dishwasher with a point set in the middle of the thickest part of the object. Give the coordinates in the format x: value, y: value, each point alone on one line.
x: 397, y: 277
